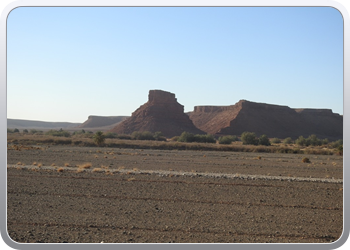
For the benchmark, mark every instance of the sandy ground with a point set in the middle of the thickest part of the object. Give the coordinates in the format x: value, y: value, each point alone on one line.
x: 183, y: 201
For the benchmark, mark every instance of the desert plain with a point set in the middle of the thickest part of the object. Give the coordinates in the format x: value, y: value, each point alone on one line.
x: 72, y: 194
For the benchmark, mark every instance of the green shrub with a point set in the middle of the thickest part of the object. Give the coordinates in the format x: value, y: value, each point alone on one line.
x: 25, y: 131
x: 204, y: 138
x: 227, y: 139
x: 58, y: 133
x: 325, y: 141
x: 249, y: 138
x: 175, y: 138
x: 340, y: 150
x: 264, y: 140
x: 313, y: 141
x: 301, y: 141
x: 288, y: 140
x: 336, y: 144
x: 275, y: 140
x: 16, y: 130
x: 186, y: 137
x: 189, y: 137
x: 158, y: 136
x: 145, y: 135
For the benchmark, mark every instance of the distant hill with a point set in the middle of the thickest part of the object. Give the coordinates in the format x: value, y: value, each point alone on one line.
x: 30, y: 124
x: 95, y: 121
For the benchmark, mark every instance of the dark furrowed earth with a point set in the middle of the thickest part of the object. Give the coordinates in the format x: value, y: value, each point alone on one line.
x: 116, y: 201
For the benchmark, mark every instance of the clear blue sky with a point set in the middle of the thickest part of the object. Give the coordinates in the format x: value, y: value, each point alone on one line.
x: 64, y: 64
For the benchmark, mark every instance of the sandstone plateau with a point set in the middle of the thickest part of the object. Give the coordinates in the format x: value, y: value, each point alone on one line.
x: 272, y: 120
x: 161, y: 113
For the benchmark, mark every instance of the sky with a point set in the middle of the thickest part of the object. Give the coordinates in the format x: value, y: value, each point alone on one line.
x: 66, y: 63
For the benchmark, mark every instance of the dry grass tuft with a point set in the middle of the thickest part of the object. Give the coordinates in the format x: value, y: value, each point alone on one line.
x: 60, y: 170
x: 19, y: 163
x: 66, y: 164
x: 97, y: 170
x: 305, y: 160
x: 34, y: 163
x: 80, y: 170
x: 40, y: 165
x: 53, y: 164
x: 85, y: 165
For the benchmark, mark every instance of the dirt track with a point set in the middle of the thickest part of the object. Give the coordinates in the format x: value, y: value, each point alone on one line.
x: 51, y: 206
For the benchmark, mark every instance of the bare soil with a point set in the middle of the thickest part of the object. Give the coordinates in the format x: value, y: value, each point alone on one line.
x: 114, y: 201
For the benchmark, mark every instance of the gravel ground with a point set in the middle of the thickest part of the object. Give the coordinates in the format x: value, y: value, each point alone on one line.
x: 183, y: 201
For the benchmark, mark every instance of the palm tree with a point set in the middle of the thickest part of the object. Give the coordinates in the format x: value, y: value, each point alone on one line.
x: 99, y: 138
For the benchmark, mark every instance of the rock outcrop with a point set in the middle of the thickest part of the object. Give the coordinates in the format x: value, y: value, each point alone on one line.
x: 272, y: 120
x: 161, y: 113
x: 95, y: 121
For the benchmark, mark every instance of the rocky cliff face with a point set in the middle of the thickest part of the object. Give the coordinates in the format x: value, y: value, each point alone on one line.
x: 94, y: 121
x: 272, y: 120
x: 161, y: 113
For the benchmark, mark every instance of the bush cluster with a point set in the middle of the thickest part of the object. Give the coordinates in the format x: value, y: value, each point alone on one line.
x: 189, y: 137
x: 249, y: 138
x: 227, y: 139
x: 146, y: 135
x: 311, y: 140
x: 288, y: 140
x: 60, y: 132
x: 276, y: 140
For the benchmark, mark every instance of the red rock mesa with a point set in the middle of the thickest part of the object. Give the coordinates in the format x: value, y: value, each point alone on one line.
x: 161, y: 113
x: 272, y: 120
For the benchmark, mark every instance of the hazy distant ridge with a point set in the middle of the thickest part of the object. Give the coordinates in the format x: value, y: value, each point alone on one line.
x: 18, y: 123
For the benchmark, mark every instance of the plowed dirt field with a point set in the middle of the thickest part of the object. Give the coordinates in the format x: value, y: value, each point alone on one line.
x: 153, y: 196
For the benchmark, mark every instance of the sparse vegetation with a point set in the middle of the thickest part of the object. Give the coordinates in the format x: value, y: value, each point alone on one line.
x: 19, y: 141
x: 264, y: 140
x: 228, y: 139
x: 60, y: 132
x: 288, y: 140
x: 145, y: 135
x: 276, y: 140
x: 189, y: 137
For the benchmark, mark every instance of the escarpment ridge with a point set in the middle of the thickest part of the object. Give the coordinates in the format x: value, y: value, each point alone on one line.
x: 272, y: 120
